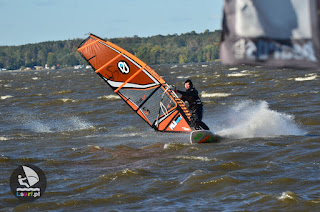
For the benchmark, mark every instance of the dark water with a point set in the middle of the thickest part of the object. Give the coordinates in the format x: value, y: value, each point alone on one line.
x: 99, y: 155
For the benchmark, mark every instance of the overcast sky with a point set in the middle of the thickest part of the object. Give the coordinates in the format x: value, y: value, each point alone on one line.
x: 33, y: 21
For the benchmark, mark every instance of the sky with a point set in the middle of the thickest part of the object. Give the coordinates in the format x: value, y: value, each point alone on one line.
x: 34, y: 21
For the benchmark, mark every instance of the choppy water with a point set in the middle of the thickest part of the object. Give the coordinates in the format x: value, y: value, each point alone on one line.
x: 99, y: 155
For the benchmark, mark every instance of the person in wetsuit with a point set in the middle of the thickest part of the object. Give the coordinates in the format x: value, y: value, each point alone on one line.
x: 195, y: 105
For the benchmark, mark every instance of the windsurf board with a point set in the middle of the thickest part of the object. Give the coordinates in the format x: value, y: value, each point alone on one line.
x: 203, y: 136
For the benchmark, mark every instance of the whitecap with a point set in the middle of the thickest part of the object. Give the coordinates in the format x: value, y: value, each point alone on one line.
x: 238, y: 74
x: 2, y: 138
x: 173, y: 145
x: 192, y: 174
x: 214, y: 95
x: 110, y: 97
x: 233, y: 69
x: 288, y: 195
x: 24, y: 88
x: 307, y: 77
x: 166, y: 146
x: 65, y: 100
x: 129, y: 171
x: 183, y: 77
x: 6, y: 97
x: 57, y: 76
x: 95, y: 147
x: 126, y: 135
x: 199, y: 158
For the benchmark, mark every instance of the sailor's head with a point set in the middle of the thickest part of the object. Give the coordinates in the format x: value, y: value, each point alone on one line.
x: 188, y: 84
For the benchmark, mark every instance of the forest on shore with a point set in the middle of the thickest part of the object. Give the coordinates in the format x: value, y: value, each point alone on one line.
x: 159, y: 49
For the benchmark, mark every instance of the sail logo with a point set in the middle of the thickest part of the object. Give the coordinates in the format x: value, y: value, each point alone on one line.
x: 175, y: 123
x: 123, y: 67
x: 28, y: 182
x: 146, y: 111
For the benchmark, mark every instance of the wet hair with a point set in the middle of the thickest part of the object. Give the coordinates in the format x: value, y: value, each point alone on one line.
x: 189, y: 81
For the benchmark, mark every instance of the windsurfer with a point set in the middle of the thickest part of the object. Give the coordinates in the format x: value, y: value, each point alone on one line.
x: 195, y: 105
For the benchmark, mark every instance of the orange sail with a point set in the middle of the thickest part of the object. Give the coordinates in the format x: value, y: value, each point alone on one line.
x: 137, y: 84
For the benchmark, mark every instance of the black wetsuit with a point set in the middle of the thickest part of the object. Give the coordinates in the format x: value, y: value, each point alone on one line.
x: 195, y: 107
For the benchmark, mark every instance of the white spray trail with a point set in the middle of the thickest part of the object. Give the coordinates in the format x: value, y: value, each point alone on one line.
x: 249, y: 119
x: 43, y: 123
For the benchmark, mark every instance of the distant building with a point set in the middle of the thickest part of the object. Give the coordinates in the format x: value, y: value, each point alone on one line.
x: 38, y: 67
x: 78, y: 66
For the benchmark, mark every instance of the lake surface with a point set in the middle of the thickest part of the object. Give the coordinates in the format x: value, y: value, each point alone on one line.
x: 97, y: 154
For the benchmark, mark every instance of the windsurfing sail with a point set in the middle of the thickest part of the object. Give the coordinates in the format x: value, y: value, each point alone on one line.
x: 137, y: 84
x: 273, y: 33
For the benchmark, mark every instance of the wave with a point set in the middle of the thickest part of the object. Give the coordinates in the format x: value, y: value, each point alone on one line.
x: 66, y: 100
x: 126, y: 135
x: 62, y: 92
x: 239, y: 74
x: 2, y: 138
x: 109, y: 97
x: 23, y: 88
x: 44, y: 124
x: 222, y: 180
x: 183, y: 77
x: 5, y: 97
x: 288, y: 195
x: 307, y: 77
x: 214, y: 95
x: 233, y: 69
x: 197, y: 158
x: 175, y: 146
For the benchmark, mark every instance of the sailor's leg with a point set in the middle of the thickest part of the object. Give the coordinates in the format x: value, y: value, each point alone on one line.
x: 203, y: 125
x: 199, y: 119
x: 196, y: 116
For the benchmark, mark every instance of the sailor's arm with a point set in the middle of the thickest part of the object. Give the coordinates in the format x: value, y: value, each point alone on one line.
x: 188, y: 93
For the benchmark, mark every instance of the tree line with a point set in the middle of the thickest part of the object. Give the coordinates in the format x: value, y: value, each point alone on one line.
x: 159, y: 49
